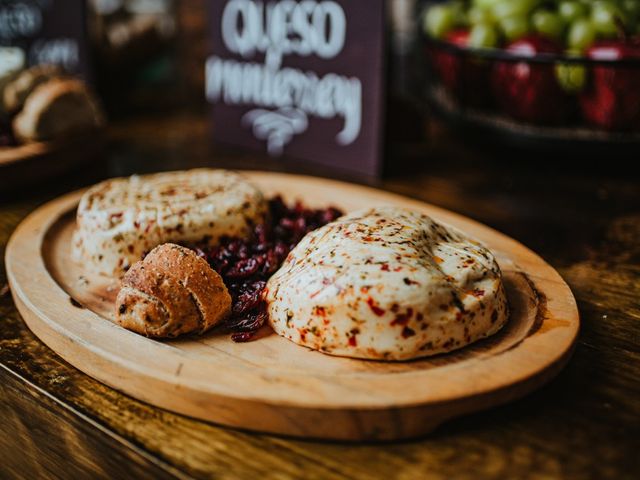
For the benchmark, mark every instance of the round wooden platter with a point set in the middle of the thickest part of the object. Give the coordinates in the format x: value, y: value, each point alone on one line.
x: 271, y: 384
x: 33, y: 162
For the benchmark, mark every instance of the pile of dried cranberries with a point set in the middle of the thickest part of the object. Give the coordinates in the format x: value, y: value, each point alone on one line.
x: 246, y: 265
x: 6, y: 137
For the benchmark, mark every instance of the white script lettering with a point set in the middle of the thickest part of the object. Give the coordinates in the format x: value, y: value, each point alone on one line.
x: 283, y: 97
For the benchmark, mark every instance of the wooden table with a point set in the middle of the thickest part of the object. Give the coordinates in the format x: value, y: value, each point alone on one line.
x: 582, y: 218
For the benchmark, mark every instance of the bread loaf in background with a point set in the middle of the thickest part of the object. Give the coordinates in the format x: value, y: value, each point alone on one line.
x: 23, y: 83
x: 57, y: 108
x: 43, y: 103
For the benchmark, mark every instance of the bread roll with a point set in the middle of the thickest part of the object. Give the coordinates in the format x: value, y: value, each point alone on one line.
x: 170, y: 293
x: 57, y: 108
x: 16, y: 91
x: 11, y: 63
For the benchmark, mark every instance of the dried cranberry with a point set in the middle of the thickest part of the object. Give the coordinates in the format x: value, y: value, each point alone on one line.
x: 262, y: 232
x: 241, y: 337
x: 244, y: 268
x: 245, y: 265
x: 329, y: 215
x: 287, y: 223
x: 245, y: 302
x: 249, y: 323
x: 220, y: 266
x: 281, y: 250
x: 301, y: 226
x: 280, y: 232
x: 277, y: 207
x: 271, y: 263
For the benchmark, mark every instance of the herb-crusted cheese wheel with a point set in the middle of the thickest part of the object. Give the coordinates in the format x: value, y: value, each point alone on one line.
x: 120, y: 220
x: 387, y: 283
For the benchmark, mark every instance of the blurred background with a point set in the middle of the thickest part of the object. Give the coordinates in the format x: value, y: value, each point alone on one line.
x: 484, y: 80
x: 520, y: 114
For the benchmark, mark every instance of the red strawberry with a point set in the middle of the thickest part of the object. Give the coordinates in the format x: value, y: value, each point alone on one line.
x: 465, y: 77
x: 529, y: 91
x: 612, y: 98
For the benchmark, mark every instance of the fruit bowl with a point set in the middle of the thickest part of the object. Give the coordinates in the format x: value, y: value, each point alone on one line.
x: 531, y: 84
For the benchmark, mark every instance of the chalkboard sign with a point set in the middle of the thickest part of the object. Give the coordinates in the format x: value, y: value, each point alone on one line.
x: 44, y: 31
x: 299, y: 78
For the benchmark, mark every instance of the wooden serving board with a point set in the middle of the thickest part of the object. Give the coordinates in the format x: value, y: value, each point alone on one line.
x: 271, y: 384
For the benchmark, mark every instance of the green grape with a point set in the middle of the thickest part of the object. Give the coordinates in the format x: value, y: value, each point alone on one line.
x: 632, y: 9
x: 479, y: 15
x: 485, y: 4
x: 631, y: 6
x: 605, y: 17
x: 509, y: 8
x: 572, y: 77
x: 571, y: 10
x: 439, y: 20
x: 459, y: 10
x: 514, y: 27
x: 483, y: 35
x: 547, y: 23
x: 581, y: 34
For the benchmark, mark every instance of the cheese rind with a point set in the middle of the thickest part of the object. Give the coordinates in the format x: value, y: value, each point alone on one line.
x: 120, y: 220
x: 387, y: 283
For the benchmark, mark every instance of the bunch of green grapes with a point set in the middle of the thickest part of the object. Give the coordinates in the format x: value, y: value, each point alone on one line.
x: 576, y: 24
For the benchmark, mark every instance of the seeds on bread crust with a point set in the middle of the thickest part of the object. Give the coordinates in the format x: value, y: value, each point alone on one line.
x: 171, y: 292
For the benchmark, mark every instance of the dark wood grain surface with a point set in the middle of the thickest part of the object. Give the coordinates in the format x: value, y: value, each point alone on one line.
x: 583, y: 218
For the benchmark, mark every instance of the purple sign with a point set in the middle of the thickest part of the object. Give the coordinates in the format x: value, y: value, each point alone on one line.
x: 45, y: 31
x: 299, y: 78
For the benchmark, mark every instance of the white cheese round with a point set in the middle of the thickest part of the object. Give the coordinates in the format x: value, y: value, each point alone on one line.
x: 120, y: 220
x: 387, y: 283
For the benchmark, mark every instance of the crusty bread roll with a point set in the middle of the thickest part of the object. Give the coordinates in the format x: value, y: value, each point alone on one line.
x: 57, y: 108
x: 16, y: 91
x: 171, y: 292
x: 11, y: 63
